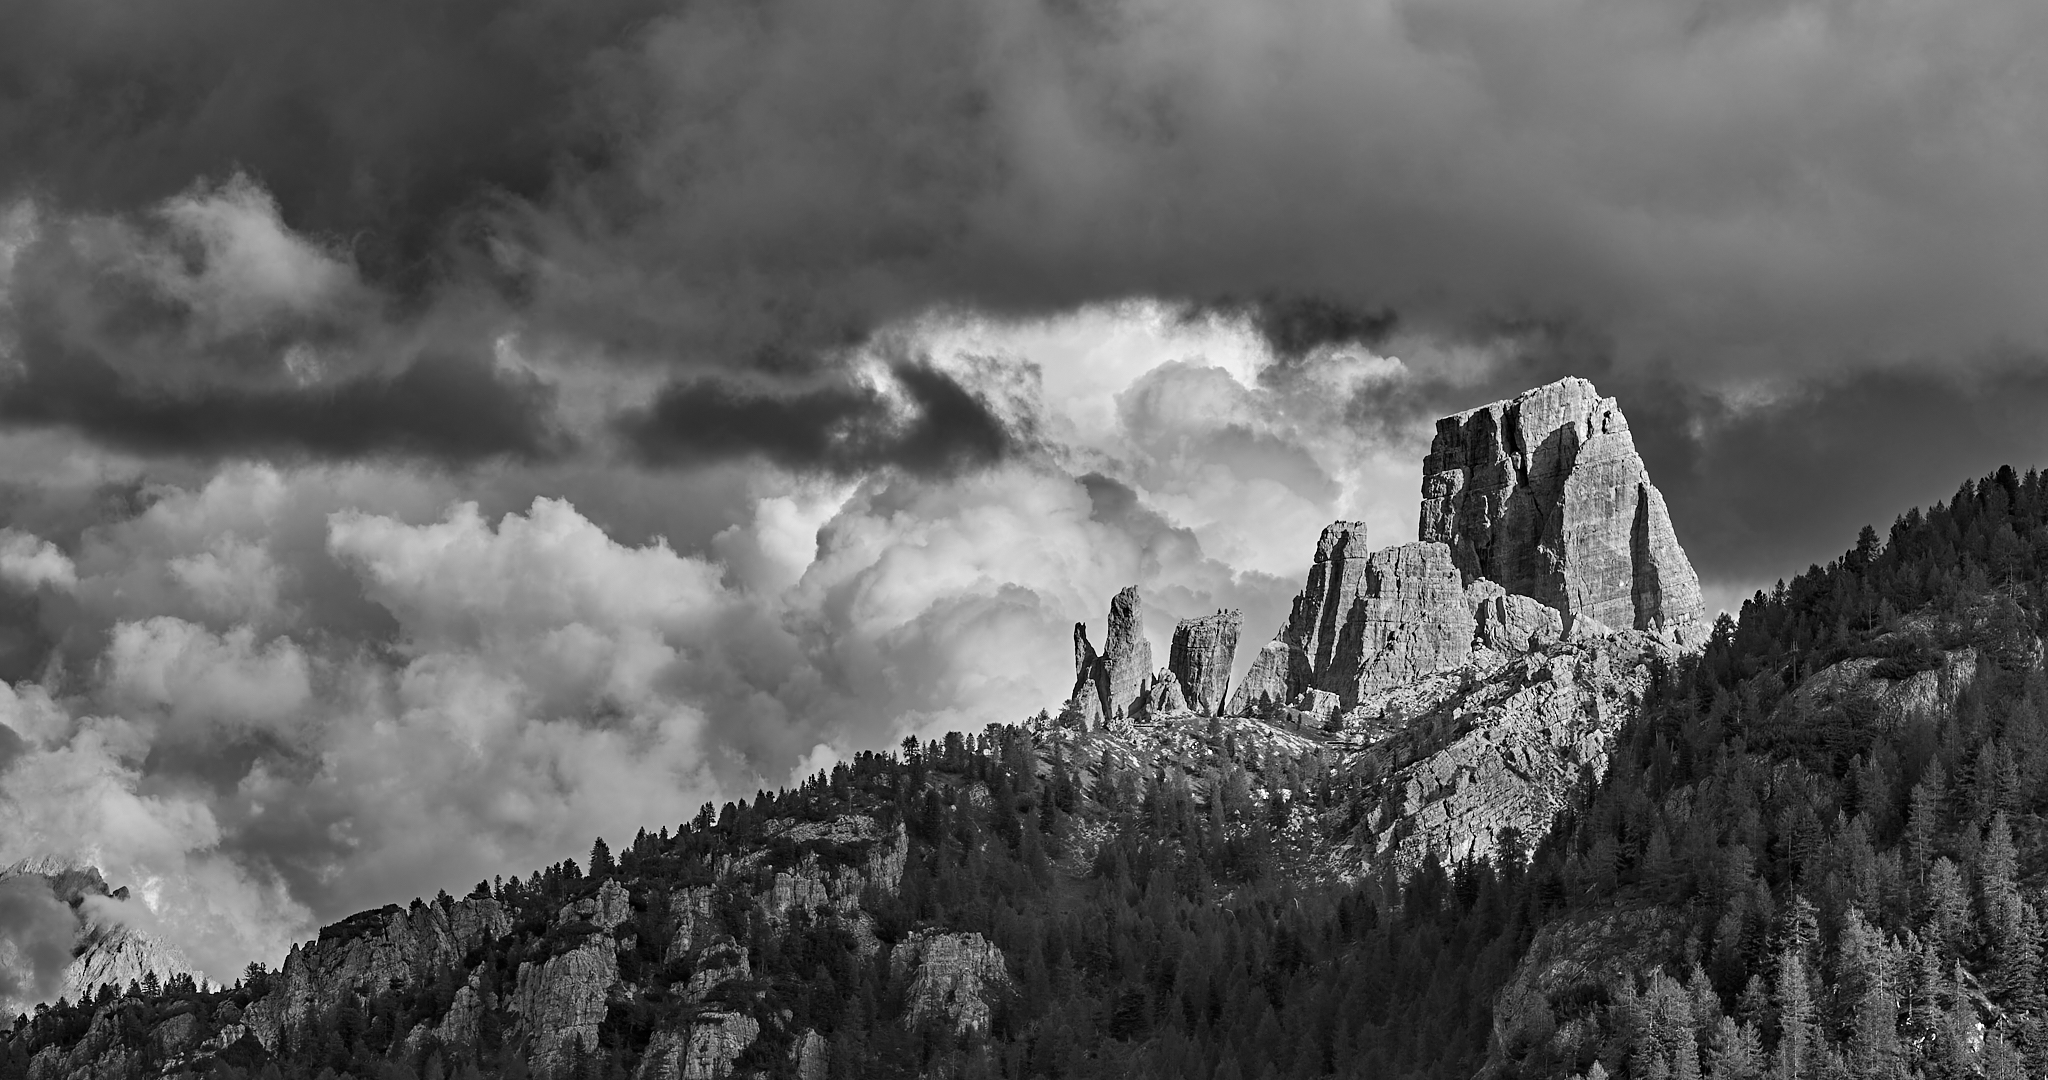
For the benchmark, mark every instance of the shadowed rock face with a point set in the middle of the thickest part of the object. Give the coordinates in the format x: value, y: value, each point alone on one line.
x: 1203, y: 650
x: 1545, y: 494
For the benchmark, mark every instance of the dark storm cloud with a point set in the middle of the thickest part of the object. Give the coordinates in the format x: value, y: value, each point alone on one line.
x: 384, y: 122
x: 1761, y: 491
x: 1294, y: 326
x: 842, y: 426
x: 1782, y: 190
x: 441, y: 406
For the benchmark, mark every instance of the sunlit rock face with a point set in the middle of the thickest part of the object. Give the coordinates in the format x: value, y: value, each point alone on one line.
x: 1200, y: 660
x: 1110, y: 686
x: 1545, y: 495
x: 1364, y: 622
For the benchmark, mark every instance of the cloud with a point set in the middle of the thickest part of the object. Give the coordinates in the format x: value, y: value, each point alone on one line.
x: 36, y: 930
x: 29, y: 562
x: 908, y: 414
x: 699, y: 212
x: 205, y: 326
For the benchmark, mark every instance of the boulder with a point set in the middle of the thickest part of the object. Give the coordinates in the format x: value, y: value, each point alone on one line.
x: 1203, y: 650
x: 1513, y: 624
x: 1163, y: 697
x: 1545, y: 494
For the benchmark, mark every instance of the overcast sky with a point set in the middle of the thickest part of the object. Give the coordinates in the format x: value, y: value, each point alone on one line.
x: 435, y: 434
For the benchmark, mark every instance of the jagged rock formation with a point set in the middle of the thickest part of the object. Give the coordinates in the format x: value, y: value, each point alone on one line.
x: 368, y: 950
x: 1512, y: 624
x: 106, y: 946
x: 705, y: 1050
x: 1478, y: 753
x: 1163, y: 697
x: 810, y: 1055
x: 1538, y: 524
x: 561, y: 1001
x: 1117, y: 676
x: 951, y: 975
x: 1203, y: 650
x: 1364, y: 622
x: 1544, y: 494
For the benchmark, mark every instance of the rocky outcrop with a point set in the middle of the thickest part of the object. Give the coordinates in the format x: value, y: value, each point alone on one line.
x: 1545, y: 494
x: 1203, y: 650
x: 1117, y: 677
x: 364, y: 952
x: 1163, y: 697
x: 723, y: 962
x: 1512, y: 624
x: 1579, y: 957
x: 695, y: 922
x: 810, y: 1055
x: 608, y: 910
x: 561, y: 1001
x: 1411, y: 621
x: 1472, y: 754
x: 705, y: 1050
x: 955, y: 976
x: 1279, y: 668
x: 1364, y: 622
x: 1882, y: 691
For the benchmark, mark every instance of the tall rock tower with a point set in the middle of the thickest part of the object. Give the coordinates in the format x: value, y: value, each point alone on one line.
x: 1545, y: 495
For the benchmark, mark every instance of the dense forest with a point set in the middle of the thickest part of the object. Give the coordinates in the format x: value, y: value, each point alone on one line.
x: 1838, y: 891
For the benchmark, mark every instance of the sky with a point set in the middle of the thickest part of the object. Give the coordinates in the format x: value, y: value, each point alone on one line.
x: 435, y: 434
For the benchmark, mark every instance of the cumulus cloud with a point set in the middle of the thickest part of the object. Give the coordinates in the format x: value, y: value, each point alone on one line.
x: 30, y: 562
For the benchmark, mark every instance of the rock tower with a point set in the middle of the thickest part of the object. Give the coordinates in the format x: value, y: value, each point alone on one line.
x: 1545, y: 495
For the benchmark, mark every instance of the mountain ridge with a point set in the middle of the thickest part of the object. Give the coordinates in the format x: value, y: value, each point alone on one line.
x: 1803, y: 842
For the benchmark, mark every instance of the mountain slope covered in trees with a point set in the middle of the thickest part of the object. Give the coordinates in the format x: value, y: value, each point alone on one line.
x: 1817, y: 851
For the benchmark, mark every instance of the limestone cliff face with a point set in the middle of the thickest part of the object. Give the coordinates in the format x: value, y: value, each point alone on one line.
x: 562, y: 1000
x: 705, y: 1050
x: 1545, y: 494
x: 363, y: 953
x: 1364, y: 622
x: 954, y: 976
x: 1203, y: 650
x: 1482, y: 751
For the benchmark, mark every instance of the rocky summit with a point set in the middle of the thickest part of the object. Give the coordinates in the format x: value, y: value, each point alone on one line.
x: 1544, y: 494
x: 1203, y: 650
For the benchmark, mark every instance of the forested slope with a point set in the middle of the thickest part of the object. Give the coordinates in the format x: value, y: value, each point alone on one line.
x: 1817, y: 851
